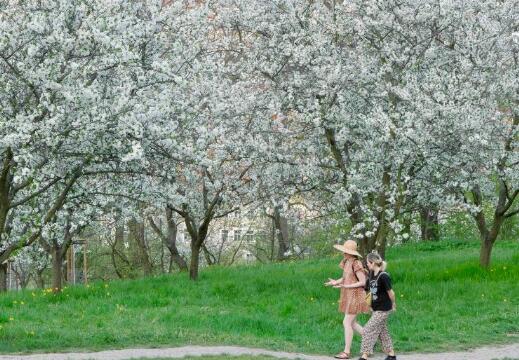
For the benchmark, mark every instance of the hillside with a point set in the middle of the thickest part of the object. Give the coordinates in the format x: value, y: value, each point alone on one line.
x: 445, y: 302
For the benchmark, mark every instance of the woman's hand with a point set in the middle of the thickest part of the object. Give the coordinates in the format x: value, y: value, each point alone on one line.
x: 331, y: 282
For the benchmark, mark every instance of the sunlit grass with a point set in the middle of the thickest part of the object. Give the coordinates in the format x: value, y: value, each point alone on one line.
x: 445, y: 301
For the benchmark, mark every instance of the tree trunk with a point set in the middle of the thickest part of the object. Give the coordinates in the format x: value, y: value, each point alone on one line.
x: 136, y: 233
x: 489, y: 234
x: 488, y: 239
x: 117, y: 248
x: 281, y: 227
x: 429, y: 224
x: 40, y: 282
x: 381, y: 241
x: 195, y: 260
x: 3, y: 277
x: 57, y: 269
x: 209, y: 258
x: 170, y: 239
x: 485, y: 252
x: 272, y: 240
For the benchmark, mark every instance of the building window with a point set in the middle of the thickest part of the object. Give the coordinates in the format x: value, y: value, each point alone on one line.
x: 249, y: 236
x: 237, y: 235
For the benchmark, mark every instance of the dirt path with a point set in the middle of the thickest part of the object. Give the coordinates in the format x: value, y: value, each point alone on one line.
x: 487, y: 353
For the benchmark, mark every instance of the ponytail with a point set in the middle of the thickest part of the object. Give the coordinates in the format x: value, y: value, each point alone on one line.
x: 383, y: 266
x: 376, y: 259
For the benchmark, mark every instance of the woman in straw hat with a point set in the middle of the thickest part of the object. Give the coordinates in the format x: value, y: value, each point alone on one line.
x: 352, y: 299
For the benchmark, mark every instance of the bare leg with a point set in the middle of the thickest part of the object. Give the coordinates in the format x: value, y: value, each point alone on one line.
x: 358, y: 328
x: 349, y: 320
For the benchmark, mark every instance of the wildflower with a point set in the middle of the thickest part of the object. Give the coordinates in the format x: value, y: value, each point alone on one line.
x: 22, y: 303
x: 106, y: 286
x: 11, y: 318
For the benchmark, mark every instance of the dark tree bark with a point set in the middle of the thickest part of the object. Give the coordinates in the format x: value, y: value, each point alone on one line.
x: 22, y: 277
x: 210, y: 259
x: 504, y: 208
x: 3, y: 277
x: 195, y: 261
x: 170, y: 239
x: 57, y: 269
x: 137, y: 234
x: 279, y: 232
x: 40, y: 281
x: 58, y: 252
x: 489, y: 231
x: 198, y: 231
x: 429, y: 224
x: 117, y: 246
x: 281, y: 224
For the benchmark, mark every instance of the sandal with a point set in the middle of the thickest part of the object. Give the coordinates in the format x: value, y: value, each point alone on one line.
x: 342, y: 355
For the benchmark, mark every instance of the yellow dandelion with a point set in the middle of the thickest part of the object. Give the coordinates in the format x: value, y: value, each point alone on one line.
x: 11, y: 318
x: 33, y: 295
x: 15, y: 302
x: 505, y: 300
x: 22, y: 303
x: 504, y: 267
x: 106, y: 286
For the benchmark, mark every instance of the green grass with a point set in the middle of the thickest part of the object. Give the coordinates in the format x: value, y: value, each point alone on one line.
x: 445, y: 302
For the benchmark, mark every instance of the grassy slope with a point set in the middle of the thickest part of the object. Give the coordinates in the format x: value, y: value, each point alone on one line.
x: 445, y: 302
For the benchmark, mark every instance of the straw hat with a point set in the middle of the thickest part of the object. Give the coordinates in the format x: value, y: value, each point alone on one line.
x: 349, y: 247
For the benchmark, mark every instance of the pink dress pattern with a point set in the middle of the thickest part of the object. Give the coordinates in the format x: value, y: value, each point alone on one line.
x: 352, y: 301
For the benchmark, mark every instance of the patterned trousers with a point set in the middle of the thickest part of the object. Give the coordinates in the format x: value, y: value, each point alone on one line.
x: 374, y: 329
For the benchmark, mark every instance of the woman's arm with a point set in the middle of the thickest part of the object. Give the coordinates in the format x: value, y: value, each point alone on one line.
x: 332, y: 282
x: 392, y: 296
x: 361, y: 283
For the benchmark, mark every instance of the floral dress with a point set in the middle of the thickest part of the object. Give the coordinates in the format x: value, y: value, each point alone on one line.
x: 352, y: 301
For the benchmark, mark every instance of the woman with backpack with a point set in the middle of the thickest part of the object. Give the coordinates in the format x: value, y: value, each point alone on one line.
x: 352, y: 299
x: 383, y: 304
